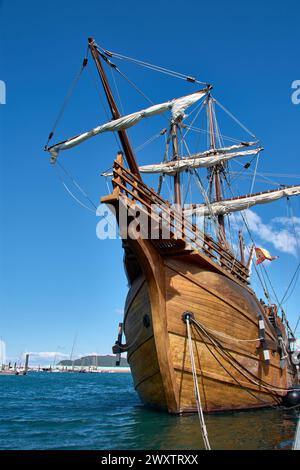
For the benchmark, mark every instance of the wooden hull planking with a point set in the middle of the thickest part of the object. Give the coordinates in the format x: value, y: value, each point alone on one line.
x: 156, y: 336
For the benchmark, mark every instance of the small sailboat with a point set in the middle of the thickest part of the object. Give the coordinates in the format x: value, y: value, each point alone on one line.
x: 243, y: 348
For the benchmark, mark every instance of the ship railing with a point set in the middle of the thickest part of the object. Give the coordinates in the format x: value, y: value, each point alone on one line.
x: 180, y: 228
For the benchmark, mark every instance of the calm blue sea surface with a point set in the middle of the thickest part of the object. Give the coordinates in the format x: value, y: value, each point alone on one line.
x: 102, y: 411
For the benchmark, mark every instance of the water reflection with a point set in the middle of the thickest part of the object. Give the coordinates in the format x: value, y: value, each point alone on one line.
x: 263, y: 429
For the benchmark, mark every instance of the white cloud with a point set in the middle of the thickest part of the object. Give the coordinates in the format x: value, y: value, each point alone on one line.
x: 45, y: 354
x: 290, y: 221
x: 119, y: 311
x: 279, y: 232
x: 44, y: 357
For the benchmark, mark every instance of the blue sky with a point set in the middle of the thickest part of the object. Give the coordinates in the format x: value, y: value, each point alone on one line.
x: 57, y: 278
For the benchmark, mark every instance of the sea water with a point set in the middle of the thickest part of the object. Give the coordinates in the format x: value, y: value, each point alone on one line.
x: 103, y: 411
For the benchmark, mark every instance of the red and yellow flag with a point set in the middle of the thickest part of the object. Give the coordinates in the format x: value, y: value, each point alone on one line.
x: 262, y: 255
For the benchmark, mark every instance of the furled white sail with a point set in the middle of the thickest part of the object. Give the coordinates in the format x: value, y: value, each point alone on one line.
x: 233, y: 205
x: 177, y: 107
x: 198, y: 160
x: 241, y: 145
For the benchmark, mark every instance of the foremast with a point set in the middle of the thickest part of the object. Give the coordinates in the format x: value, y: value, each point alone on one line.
x: 129, y: 154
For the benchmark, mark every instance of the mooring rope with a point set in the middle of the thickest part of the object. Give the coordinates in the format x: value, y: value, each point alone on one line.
x: 196, y: 387
x: 237, y: 365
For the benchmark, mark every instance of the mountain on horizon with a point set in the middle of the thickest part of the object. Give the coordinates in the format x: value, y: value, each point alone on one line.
x: 94, y: 360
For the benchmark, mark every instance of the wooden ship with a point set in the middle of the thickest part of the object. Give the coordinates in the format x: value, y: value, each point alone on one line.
x: 242, y: 346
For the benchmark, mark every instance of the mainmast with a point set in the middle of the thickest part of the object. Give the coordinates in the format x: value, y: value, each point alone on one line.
x: 177, y: 189
x: 114, y: 110
x: 216, y: 169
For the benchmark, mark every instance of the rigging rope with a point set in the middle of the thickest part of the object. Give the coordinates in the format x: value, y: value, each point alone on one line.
x: 189, y: 127
x: 297, y: 271
x: 188, y: 188
x: 263, y: 270
x: 93, y: 78
x: 284, y: 318
x: 115, y: 68
x: 205, y: 131
x: 67, y: 98
x: 149, y: 141
x: 156, y: 68
x: 75, y: 198
x: 187, y: 317
x: 244, y: 218
x: 117, y: 90
x: 294, y: 277
x: 203, y: 191
x: 255, y: 172
x: 134, y: 86
x: 224, y: 368
x: 231, y: 338
x: 82, y: 192
x: 238, y: 366
x: 94, y: 211
x: 77, y: 185
x: 295, y: 329
x: 262, y: 175
x: 235, y: 119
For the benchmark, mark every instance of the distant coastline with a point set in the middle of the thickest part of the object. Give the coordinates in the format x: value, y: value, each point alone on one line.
x: 79, y: 369
x: 94, y: 361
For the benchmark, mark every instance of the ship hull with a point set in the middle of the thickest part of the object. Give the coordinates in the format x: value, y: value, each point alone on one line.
x: 239, y: 364
x: 156, y: 336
